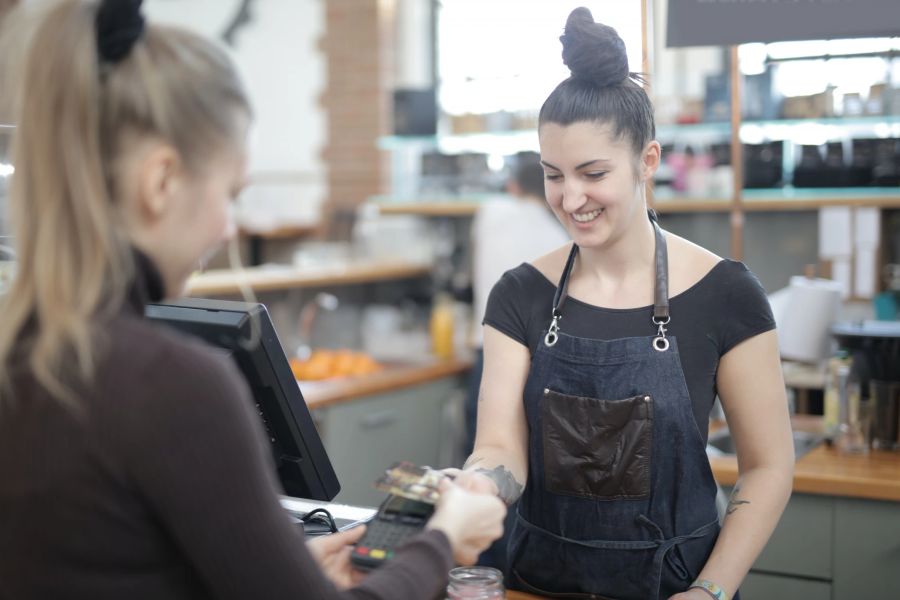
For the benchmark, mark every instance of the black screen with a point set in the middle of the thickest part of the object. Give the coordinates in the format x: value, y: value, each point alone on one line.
x: 303, y: 466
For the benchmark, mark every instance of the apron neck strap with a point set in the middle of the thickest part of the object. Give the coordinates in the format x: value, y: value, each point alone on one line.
x: 661, y: 289
x: 661, y: 286
x: 563, y: 287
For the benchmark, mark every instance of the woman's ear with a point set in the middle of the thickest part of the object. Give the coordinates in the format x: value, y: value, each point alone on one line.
x: 650, y: 158
x: 160, y: 178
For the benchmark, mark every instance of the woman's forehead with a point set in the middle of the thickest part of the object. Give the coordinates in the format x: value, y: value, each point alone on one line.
x: 576, y: 140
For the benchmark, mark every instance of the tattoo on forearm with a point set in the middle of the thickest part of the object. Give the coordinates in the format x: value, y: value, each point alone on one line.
x: 509, y: 488
x: 734, y: 502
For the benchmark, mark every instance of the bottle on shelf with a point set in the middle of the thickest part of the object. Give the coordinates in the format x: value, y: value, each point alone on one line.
x: 832, y: 398
x: 852, y: 433
x: 442, y: 326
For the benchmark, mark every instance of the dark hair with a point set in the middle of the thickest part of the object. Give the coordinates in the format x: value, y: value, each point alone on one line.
x: 601, y: 88
x: 529, y: 174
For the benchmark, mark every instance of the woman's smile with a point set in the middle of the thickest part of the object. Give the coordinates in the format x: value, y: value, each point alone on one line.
x: 586, y: 218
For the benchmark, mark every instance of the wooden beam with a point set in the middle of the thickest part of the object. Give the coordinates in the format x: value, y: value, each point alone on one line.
x: 737, y: 161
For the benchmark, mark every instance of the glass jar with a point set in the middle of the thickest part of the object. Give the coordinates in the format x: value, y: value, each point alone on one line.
x: 832, y: 397
x: 853, y: 429
x: 475, y: 583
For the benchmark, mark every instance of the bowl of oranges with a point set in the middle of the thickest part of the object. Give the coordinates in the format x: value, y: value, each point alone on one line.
x: 329, y: 364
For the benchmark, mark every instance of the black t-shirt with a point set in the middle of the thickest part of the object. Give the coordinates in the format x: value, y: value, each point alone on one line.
x: 711, y: 317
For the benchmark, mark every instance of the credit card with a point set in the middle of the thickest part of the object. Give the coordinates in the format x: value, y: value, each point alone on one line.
x: 411, y: 481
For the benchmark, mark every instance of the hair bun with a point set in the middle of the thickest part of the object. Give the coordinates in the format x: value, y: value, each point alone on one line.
x: 593, y: 51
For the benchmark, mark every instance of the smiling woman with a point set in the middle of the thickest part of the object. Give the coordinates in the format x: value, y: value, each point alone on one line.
x: 602, y: 361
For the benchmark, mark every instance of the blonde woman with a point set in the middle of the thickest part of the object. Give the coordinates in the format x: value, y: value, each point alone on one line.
x: 131, y: 462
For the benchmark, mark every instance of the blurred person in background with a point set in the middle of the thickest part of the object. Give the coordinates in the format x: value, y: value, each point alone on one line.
x: 506, y: 232
x: 132, y: 462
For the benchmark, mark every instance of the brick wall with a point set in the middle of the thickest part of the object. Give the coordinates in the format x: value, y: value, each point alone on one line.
x: 357, y: 45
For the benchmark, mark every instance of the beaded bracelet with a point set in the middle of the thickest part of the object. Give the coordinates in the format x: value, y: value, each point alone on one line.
x: 711, y: 588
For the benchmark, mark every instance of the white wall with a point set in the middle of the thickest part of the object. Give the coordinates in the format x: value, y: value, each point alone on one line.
x: 278, y: 57
x: 412, y: 38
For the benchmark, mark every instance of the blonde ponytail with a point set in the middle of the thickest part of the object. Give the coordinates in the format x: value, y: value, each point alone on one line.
x: 74, y: 120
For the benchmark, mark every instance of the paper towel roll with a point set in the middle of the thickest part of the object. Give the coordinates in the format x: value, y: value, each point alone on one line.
x: 805, y: 318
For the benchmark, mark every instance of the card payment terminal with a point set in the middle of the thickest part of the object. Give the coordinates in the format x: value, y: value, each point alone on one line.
x: 397, y: 520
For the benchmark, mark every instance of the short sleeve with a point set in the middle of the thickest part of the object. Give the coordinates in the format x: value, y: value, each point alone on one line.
x: 746, y: 312
x: 506, y: 310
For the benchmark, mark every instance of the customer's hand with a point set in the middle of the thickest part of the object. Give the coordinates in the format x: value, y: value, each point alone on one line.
x: 332, y: 553
x: 470, y: 520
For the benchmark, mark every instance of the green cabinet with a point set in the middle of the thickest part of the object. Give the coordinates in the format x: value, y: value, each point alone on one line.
x: 803, y: 541
x: 760, y: 586
x: 830, y: 548
x: 867, y: 549
x: 366, y: 435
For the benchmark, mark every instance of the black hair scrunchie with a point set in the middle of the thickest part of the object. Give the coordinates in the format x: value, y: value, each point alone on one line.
x: 119, y: 25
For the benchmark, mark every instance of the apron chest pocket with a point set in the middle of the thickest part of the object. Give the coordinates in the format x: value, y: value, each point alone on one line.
x: 597, y: 448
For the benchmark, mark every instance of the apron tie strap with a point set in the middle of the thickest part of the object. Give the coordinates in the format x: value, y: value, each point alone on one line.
x: 674, y: 559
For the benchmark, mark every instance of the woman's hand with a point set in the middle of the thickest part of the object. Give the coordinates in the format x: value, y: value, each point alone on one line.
x: 332, y: 553
x: 470, y: 520
x: 476, y: 482
x: 691, y: 594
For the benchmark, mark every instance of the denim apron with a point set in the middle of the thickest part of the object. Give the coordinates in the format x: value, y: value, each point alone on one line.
x: 620, y: 500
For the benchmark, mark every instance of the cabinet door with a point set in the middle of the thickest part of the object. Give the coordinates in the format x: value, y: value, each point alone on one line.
x: 802, y: 542
x: 365, y: 436
x: 758, y: 586
x: 867, y: 552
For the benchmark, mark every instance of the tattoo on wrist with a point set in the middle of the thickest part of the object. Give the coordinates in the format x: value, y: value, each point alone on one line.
x: 508, y: 488
x: 734, y: 502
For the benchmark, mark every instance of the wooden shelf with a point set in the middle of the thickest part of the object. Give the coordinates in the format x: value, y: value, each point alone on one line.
x: 449, y: 208
x: 683, y: 205
x: 282, y: 233
x: 757, y: 201
x: 225, y: 282
x: 776, y: 204
x: 319, y: 394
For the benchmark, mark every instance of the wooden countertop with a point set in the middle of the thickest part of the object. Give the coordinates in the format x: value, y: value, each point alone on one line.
x: 319, y: 394
x: 219, y: 282
x: 512, y: 595
x: 874, y: 476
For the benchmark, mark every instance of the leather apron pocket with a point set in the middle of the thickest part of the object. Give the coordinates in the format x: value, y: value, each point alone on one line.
x: 597, y: 448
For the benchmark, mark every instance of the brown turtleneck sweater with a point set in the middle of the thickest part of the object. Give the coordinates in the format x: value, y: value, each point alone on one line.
x: 165, y: 487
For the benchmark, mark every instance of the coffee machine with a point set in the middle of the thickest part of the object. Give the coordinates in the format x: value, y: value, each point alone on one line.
x: 875, y: 348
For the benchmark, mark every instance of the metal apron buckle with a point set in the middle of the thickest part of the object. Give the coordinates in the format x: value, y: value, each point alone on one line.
x: 553, y: 333
x: 660, y: 343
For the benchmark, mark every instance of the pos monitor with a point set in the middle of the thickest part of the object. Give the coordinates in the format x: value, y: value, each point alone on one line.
x: 303, y: 466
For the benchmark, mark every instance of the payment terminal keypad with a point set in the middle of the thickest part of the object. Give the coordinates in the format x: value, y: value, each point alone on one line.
x: 395, y: 522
